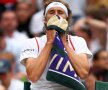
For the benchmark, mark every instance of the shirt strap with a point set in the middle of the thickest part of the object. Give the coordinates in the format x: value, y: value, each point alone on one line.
x: 37, y: 43
x: 71, y: 43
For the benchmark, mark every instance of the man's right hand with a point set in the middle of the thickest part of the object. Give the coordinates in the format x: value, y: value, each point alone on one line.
x: 50, y: 36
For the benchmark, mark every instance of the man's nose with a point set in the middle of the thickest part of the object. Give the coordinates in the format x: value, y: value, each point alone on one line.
x: 56, y: 13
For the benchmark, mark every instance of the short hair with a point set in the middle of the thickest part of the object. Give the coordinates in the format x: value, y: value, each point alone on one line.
x: 96, y: 54
x: 99, y: 14
x: 28, y: 2
x: 61, y: 1
x: 87, y: 30
x: 6, y: 11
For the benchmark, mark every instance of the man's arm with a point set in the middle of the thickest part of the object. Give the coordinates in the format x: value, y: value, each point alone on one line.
x: 96, y: 23
x: 36, y: 66
x: 79, y: 62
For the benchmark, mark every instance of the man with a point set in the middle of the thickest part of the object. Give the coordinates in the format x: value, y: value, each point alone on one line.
x: 6, y: 77
x: 9, y: 23
x: 24, y: 13
x: 14, y: 39
x: 99, y: 69
x: 85, y: 32
x: 36, y: 52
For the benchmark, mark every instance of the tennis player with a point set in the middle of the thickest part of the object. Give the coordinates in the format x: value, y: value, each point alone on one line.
x: 36, y: 51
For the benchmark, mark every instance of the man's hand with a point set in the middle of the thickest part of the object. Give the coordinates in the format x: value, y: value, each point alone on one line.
x: 64, y: 38
x: 50, y: 36
x: 57, y: 23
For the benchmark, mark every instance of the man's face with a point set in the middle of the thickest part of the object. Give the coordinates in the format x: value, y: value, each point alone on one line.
x: 83, y: 34
x: 9, y: 21
x: 4, y: 76
x: 103, y: 60
x: 23, y: 12
x: 55, y: 11
x: 80, y: 33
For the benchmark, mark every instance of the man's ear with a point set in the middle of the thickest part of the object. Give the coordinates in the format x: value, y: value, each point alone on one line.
x: 45, y: 21
x: 67, y: 18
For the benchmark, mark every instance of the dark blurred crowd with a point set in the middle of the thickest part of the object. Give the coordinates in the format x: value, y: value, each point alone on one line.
x: 23, y: 19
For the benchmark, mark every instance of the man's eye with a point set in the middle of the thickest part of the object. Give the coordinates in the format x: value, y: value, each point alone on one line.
x: 51, y: 12
x: 60, y: 12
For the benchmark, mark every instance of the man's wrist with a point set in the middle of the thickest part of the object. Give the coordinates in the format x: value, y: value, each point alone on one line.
x: 49, y: 43
x: 66, y: 44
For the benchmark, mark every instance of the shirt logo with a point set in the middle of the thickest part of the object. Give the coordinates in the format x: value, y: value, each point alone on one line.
x: 30, y: 50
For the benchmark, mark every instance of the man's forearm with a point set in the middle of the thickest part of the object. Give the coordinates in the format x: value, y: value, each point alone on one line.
x: 97, y: 23
x: 36, y: 66
x: 79, y: 62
